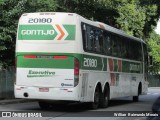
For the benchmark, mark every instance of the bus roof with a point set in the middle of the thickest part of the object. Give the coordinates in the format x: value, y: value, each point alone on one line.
x: 120, y: 32
x: 112, y: 29
x: 94, y: 23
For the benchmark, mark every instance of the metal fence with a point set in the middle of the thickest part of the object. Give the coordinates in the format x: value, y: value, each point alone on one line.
x: 154, y: 80
x: 7, y: 77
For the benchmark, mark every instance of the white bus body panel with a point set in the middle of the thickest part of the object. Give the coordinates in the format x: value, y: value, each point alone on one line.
x: 88, y: 79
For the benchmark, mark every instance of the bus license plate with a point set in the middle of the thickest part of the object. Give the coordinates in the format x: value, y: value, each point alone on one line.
x: 43, y: 89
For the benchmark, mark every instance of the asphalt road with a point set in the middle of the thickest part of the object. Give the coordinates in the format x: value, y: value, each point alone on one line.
x: 74, y: 111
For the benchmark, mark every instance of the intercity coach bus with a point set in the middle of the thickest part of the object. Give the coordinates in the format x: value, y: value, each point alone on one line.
x: 65, y: 57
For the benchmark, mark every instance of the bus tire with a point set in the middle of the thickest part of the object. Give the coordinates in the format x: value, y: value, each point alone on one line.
x: 44, y: 105
x: 95, y: 103
x: 136, y: 98
x: 104, y: 100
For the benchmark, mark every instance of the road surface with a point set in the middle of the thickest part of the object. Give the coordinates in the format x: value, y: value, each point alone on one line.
x: 74, y: 111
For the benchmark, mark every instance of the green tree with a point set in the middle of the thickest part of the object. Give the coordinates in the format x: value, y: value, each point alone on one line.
x: 41, y: 5
x: 10, y: 11
x: 152, y: 11
x: 136, y: 17
x: 97, y: 10
x: 131, y: 18
x: 154, y: 47
x: 139, y: 18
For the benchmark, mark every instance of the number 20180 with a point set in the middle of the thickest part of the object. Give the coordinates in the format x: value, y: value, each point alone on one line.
x: 39, y: 20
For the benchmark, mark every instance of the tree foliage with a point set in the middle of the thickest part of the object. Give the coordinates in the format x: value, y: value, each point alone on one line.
x: 154, y: 46
x: 10, y: 11
x: 136, y: 17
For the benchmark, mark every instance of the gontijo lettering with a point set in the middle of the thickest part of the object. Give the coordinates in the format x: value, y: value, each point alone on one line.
x: 37, y: 32
x: 46, y: 32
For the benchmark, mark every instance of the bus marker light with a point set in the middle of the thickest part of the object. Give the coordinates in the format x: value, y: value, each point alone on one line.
x: 30, y: 56
x: 59, y: 57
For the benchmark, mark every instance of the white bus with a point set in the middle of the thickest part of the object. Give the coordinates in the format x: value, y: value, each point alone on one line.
x: 65, y: 57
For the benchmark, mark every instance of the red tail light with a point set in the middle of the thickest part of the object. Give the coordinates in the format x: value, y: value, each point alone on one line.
x: 76, y: 72
x: 59, y: 57
x: 30, y: 56
x: 76, y: 67
x: 15, y: 67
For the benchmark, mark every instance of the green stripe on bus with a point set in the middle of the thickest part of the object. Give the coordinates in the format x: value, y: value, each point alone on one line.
x: 67, y: 63
x: 87, y: 62
x: 92, y: 63
x: 71, y: 32
x: 131, y: 67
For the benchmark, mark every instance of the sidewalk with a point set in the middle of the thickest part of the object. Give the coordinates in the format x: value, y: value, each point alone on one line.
x: 13, y: 101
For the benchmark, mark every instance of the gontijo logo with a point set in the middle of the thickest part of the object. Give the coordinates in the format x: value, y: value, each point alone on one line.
x: 46, y: 32
x: 37, y: 32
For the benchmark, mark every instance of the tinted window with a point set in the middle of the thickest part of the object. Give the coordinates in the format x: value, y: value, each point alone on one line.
x: 99, y: 41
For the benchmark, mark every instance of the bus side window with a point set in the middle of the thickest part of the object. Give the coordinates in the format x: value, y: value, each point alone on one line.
x: 107, y: 43
x: 98, y: 40
x: 127, y: 42
x: 135, y: 47
x: 91, y: 40
x: 101, y: 40
x: 124, y: 48
x: 119, y: 46
x: 84, y: 36
x: 115, y: 46
x: 88, y: 37
x: 130, y: 50
x: 140, y: 57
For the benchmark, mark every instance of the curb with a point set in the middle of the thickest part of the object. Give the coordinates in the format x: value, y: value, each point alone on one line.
x: 14, y: 101
x: 153, y: 87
